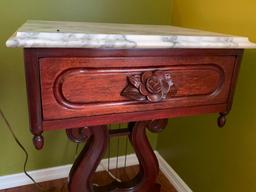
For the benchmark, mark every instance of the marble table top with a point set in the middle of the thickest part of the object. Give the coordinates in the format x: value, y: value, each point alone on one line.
x: 57, y: 34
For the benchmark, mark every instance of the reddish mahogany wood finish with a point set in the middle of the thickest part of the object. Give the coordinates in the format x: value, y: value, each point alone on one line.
x: 85, y: 165
x: 75, y: 87
x: 88, y: 160
x: 56, y: 116
x: 34, y: 97
x: 126, y: 117
x: 149, y: 168
x: 82, y: 90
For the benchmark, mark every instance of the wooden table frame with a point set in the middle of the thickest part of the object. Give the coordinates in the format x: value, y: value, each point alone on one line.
x: 222, y: 65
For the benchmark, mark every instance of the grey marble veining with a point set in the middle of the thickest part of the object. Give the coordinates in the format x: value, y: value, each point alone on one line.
x: 121, y: 36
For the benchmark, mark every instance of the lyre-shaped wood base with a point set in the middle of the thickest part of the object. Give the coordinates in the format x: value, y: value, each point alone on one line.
x: 86, y: 163
x: 88, y: 160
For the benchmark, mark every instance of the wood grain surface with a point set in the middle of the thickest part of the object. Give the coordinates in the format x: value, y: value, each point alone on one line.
x: 71, y: 88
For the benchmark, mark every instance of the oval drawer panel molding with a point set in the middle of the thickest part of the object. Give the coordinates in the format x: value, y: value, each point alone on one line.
x: 86, y: 87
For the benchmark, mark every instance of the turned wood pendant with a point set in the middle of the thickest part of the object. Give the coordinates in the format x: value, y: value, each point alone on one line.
x: 80, y: 178
x: 222, y: 119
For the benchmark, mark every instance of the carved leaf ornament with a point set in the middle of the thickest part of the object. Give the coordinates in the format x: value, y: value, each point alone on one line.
x: 149, y: 86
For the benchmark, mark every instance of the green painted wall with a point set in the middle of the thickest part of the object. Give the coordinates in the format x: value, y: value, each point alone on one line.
x: 210, y: 159
x: 13, y: 102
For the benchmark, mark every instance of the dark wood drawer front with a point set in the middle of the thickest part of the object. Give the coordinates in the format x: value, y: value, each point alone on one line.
x: 75, y: 87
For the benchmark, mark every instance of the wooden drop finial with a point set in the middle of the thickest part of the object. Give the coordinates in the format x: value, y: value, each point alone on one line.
x: 38, y: 141
x: 222, y: 120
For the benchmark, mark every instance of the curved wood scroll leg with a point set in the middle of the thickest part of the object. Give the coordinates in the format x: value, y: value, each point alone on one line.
x: 85, y: 165
x: 149, y: 167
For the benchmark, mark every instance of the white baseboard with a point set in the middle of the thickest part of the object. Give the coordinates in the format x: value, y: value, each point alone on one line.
x: 171, y: 175
x: 41, y: 175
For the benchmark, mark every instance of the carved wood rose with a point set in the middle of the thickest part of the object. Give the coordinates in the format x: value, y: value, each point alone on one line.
x: 151, y: 86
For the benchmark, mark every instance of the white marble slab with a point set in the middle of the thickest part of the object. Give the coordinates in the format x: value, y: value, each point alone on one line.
x: 106, y: 35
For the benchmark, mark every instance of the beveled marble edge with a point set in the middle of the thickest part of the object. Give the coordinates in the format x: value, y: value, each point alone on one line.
x: 43, y: 34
